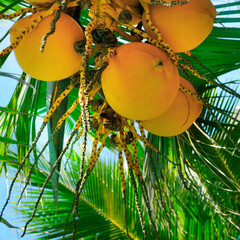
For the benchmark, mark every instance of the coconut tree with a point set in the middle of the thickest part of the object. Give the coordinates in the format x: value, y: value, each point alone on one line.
x: 187, y: 186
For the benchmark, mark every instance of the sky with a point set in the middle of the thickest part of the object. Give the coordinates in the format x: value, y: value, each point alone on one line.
x: 6, y: 91
x: 11, y: 66
x: 7, y: 86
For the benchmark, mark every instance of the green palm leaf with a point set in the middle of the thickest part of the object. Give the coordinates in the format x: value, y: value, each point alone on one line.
x: 96, y: 218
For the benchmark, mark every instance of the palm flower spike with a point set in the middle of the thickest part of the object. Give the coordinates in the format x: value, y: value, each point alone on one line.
x: 77, y: 126
x: 29, y: 29
x: 59, y: 125
x: 45, y: 121
x: 20, y: 12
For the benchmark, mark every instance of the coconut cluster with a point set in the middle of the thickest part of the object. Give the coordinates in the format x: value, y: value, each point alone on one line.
x: 141, y: 82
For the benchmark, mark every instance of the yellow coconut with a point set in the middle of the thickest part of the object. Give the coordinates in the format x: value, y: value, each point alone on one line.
x: 140, y: 82
x: 182, y: 27
x: 59, y: 59
x: 179, y: 117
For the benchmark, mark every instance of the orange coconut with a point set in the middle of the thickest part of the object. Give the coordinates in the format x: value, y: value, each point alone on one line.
x: 140, y: 82
x: 179, y: 117
x: 59, y: 59
x: 182, y: 27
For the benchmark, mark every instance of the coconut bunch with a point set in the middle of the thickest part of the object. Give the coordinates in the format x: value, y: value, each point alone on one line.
x: 142, y: 80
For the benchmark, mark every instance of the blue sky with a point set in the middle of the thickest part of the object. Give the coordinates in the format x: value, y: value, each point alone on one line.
x: 7, y: 233
x: 6, y: 90
x: 11, y: 66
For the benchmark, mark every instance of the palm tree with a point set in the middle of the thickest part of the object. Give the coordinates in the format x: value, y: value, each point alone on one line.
x: 191, y: 185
